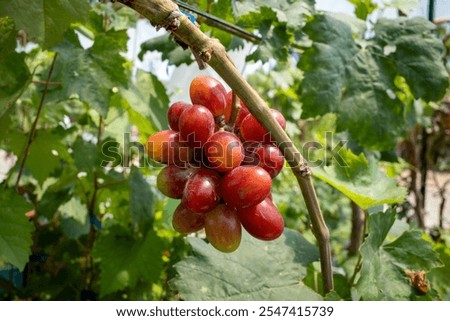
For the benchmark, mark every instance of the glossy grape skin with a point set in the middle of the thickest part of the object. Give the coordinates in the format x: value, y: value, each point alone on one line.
x: 223, y: 228
x: 186, y: 221
x: 196, y: 125
x: 243, y: 111
x: 174, y: 113
x: 270, y: 159
x: 251, y: 130
x: 263, y: 221
x: 224, y: 151
x: 209, y: 92
x: 165, y: 147
x: 172, y: 179
x: 250, y: 149
x: 201, y: 193
x: 245, y: 186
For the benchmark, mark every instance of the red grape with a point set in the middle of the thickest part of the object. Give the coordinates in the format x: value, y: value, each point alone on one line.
x: 208, y: 92
x: 243, y: 111
x: 174, y: 113
x: 223, y: 228
x: 172, y: 179
x: 201, y: 193
x: 250, y: 148
x: 166, y: 147
x: 186, y: 221
x: 263, y: 221
x: 271, y: 159
x: 245, y: 186
x: 224, y: 151
x: 252, y: 130
x: 196, y: 125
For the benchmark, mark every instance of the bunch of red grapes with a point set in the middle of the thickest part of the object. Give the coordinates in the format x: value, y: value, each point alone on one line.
x: 222, y: 172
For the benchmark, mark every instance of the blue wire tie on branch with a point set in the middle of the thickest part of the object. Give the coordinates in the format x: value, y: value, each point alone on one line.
x: 189, y: 15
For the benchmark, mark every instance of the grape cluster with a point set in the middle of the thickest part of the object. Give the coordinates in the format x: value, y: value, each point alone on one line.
x: 222, y: 174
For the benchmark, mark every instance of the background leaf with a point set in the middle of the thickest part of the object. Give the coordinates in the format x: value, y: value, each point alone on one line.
x: 170, y: 50
x: 253, y: 272
x: 126, y: 258
x: 356, y: 78
x: 382, y: 275
x: 45, y: 20
x: 15, y: 229
x: 92, y: 73
x: 361, y: 180
x: 147, y: 96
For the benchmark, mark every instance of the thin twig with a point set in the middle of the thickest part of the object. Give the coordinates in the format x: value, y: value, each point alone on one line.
x: 87, y: 276
x: 50, y: 83
x: 441, y: 191
x: 214, y: 53
x: 359, y: 262
x: 33, y: 127
x: 357, y: 231
x: 108, y: 185
x: 235, y: 108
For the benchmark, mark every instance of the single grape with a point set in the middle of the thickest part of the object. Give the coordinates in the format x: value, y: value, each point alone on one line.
x: 243, y: 111
x: 186, y: 221
x: 263, y: 221
x: 245, y: 186
x: 223, y: 228
x: 172, y: 179
x: 251, y: 130
x: 209, y: 92
x: 174, y: 113
x: 201, y: 193
x: 165, y: 147
x: 196, y: 125
x: 271, y: 159
x: 250, y: 148
x: 224, y: 151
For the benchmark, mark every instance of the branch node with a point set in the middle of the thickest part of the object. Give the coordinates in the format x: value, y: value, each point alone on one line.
x: 305, y: 170
x: 172, y: 22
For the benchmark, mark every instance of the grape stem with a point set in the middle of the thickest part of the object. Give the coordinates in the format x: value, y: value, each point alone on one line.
x: 235, y: 107
x: 214, y: 54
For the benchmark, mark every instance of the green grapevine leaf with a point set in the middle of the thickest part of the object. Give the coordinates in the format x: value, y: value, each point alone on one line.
x: 85, y: 155
x: 384, y: 265
x: 361, y: 180
x: 45, y: 155
x: 141, y: 197
x: 75, y: 209
x: 274, y: 45
x: 45, y: 20
x: 363, y: 8
x: 93, y: 73
x: 15, y: 78
x: 15, y: 230
x: 353, y: 82
x: 7, y: 36
x: 170, y: 50
x: 356, y: 79
x: 276, y: 21
x: 253, y: 272
x: 147, y: 95
x: 439, y: 276
x: 15, y: 74
x: 291, y: 12
x: 126, y: 258
x: 56, y: 194
x: 74, y: 221
x: 417, y: 54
